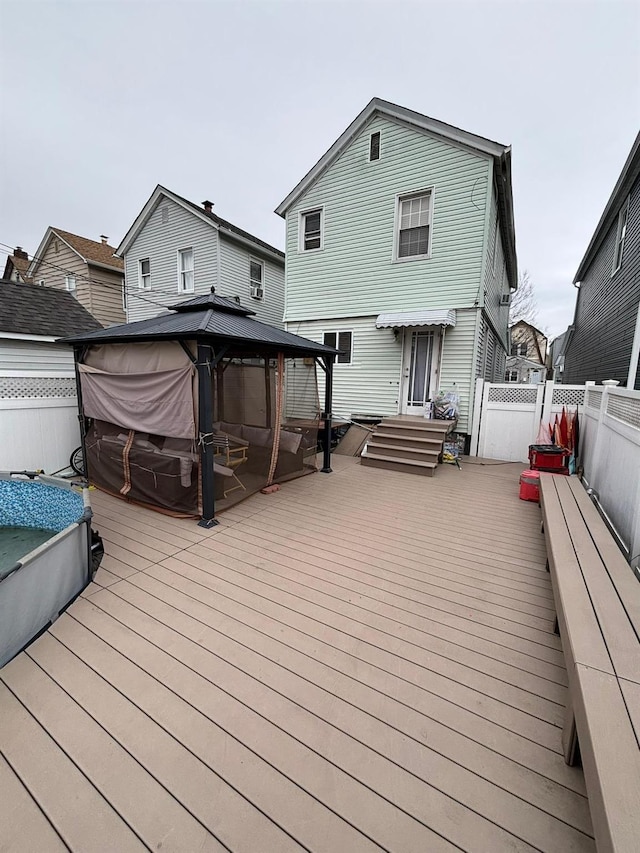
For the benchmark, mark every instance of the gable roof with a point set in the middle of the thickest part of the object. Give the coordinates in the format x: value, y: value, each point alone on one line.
x: 17, y: 262
x: 90, y: 251
x: 530, y: 325
x: 223, y: 226
x: 28, y: 309
x: 500, y: 153
x: 628, y: 176
x: 190, y: 320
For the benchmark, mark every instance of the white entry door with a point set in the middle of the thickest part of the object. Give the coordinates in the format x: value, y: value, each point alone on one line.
x: 420, y: 369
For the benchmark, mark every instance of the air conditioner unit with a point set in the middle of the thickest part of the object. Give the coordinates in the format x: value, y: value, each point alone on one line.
x: 505, y: 299
x: 256, y: 292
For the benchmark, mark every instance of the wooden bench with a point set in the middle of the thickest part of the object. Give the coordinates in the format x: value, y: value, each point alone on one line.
x: 597, y: 601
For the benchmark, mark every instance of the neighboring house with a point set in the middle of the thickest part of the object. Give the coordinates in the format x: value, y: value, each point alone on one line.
x: 16, y: 266
x: 86, y: 269
x: 555, y: 357
x: 526, y: 362
x: 38, y: 408
x: 604, y: 342
x: 176, y: 247
x: 401, y: 251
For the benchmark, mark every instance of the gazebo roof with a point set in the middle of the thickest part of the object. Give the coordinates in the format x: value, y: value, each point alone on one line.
x: 208, y: 318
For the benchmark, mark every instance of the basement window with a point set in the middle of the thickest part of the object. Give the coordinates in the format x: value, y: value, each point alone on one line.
x: 342, y: 340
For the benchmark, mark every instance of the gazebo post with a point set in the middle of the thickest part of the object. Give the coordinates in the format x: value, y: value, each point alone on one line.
x: 205, y: 421
x: 328, y: 403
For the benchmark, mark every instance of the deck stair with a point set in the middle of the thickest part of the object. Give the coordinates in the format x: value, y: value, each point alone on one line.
x: 405, y: 443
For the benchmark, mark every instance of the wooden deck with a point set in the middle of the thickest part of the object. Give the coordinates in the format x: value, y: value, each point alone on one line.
x: 361, y: 661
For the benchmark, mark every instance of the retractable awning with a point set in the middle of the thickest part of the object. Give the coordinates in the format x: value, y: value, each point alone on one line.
x: 421, y: 317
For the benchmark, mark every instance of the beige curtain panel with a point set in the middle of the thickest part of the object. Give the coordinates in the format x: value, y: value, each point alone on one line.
x: 158, y: 403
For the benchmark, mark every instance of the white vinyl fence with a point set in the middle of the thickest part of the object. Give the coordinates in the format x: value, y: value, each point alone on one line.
x: 506, y: 420
x: 610, y: 456
x: 506, y: 417
x: 38, y: 420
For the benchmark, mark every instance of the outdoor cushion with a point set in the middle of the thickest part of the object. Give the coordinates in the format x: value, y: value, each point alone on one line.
x: 290, y: 441
x: 258, y: 436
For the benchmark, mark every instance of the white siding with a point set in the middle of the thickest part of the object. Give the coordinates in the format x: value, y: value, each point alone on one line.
x: 235, y: 262
x: 32, y: 356
x: 227, y: 271
x: 355, y: 272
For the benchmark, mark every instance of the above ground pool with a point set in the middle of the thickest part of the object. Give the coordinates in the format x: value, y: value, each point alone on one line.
x: 45, y: 554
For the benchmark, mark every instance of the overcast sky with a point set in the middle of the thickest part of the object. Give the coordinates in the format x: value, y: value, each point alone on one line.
x: 236, y: 101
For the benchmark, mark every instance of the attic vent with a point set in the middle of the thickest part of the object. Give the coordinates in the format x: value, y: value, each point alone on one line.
x: 505, y: 299
x: 165, y: 214
x: 374, y: 146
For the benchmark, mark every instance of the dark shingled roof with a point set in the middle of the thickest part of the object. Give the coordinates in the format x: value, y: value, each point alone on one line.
x: 210, y: 300
x: 189, y: 322
x: 28, y: 309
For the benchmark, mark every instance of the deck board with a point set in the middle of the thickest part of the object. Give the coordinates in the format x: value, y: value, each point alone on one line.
x: 359, y: 661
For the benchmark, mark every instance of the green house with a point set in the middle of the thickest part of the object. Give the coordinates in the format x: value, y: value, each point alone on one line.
x: 400, y: 251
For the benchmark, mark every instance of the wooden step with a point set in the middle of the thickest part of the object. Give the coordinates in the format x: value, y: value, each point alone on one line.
x: 400, y: 440
x: 441, y: 427
x: 409, y: 466
x: 408, y: 430
x: 404, y: 452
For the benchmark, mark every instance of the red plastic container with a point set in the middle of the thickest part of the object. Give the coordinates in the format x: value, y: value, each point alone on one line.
x: 549, y: 457
x: 530, y: 486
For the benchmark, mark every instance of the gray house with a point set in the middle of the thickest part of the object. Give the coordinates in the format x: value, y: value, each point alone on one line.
x: 176, y: 248
x: 401, y: 252
x: 604, y: 339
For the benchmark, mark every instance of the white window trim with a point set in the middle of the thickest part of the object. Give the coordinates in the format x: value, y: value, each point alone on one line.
x: 251, y: 284
x: 141, y: 285
x: 337, y: 333
x: 191, y: 289
x: 371, y: 135
x: 67, y: 280
x: 620, y: 238
x: 301, y: 216
x: 511, y: 372
x: 400, y: 197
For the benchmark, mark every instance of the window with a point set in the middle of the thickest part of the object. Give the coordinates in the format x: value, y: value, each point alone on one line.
x: 144, y: 274
x: 374, y: 146
x: 620, y: 235
x: 70, y: 283
x: 413, y: 226
x: 185, y: 271
x: 311, y: 229
x: 511, y: 376
x: 256, y: 277
x: 519, y: 349
x: 342, y: 341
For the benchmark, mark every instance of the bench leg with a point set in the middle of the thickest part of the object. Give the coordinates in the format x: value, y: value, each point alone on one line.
x: 570, y: 737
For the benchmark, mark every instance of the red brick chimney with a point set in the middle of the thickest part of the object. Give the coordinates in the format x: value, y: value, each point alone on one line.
x: 19, y: 252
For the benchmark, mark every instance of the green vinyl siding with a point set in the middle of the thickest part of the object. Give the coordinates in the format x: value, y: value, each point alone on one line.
x: 371, y: 383
x: 354, y: 272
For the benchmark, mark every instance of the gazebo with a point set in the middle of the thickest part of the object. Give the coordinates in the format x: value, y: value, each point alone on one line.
x: 194, y: 409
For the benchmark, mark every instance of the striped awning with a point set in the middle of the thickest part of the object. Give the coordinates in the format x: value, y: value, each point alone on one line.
x: 421, y: 317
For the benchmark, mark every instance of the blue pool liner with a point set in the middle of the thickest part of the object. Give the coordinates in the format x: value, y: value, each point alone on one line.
x: 24, y: 503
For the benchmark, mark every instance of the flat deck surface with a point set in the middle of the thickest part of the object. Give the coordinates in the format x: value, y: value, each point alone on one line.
x: 361, y: 661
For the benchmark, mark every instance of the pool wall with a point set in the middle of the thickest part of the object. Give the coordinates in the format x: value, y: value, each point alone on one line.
x: 45, y: 581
